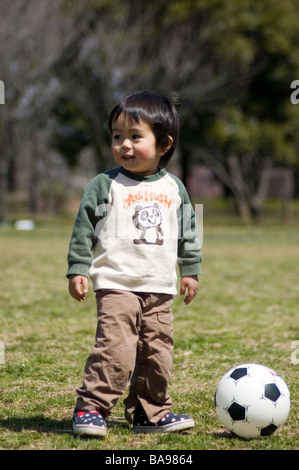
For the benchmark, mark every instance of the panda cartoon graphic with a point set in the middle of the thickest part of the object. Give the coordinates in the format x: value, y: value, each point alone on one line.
x: 148, y: 219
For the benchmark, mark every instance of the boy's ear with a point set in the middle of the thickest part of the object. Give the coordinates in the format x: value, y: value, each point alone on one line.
x: 169, y: 144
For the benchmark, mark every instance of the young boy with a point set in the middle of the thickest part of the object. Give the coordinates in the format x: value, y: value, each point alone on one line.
x: 134, y: 225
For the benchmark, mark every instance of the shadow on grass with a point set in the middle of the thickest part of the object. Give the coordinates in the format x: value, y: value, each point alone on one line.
x: 37, y: 423
x: 43, y: 424
x: 224, y: 435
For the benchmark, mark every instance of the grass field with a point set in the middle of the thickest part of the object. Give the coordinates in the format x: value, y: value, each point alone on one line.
x: 246, y: 311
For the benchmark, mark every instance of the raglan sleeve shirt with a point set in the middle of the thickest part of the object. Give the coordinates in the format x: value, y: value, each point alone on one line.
x: 189, y: 244
x: 84, y: 236
x: 130, y: 233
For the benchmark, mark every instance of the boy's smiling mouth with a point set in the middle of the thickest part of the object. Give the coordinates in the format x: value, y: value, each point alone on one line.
x: 128, y: 158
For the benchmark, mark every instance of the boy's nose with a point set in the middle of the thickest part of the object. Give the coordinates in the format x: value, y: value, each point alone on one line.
x: 126, y: 144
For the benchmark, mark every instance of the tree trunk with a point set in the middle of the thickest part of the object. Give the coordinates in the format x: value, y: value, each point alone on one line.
x: 34, y: 190
x: 185, y: 167
x: 240, y: 189
x: 257, y: 200
x: 3, y: 172
x: 287, y: 193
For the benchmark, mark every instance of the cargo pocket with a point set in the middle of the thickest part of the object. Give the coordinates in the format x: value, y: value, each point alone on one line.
x: 165, y: 318
x: 165, y: 322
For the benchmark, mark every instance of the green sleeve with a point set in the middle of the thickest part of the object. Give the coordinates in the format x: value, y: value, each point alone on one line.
x: 189, y: 243
x: 84, y: 232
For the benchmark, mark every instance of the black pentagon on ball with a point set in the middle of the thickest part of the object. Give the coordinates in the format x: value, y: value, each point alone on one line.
x: 236, y: 412
x: 268, y: 430
x: 239, y: 373
x: 272, y: 392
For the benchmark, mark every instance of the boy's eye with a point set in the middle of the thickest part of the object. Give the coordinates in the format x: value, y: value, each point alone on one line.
x: 135, y: 136
x: 116, y: 137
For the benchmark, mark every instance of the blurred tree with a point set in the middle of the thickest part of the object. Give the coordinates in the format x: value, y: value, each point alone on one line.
x: 242, y: 150
x: 254, y: 129
x: 166, y: 45
x: 30, y: 34
x: 230, y: 62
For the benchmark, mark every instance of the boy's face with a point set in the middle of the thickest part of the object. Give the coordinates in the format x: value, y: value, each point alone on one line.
x: 134, y: 146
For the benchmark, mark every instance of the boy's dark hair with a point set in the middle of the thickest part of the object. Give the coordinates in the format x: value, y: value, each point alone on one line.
x: 158, y: 111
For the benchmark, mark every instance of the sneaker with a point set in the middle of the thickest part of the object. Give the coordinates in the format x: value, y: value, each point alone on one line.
x: 89, y: 423
x: 170, y: 422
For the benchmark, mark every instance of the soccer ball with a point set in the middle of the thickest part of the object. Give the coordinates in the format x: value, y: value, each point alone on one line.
x: 252, y: 401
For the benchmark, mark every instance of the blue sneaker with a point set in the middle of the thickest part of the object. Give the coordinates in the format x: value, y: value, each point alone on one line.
x: 89, y: 423
x: 170, y: 422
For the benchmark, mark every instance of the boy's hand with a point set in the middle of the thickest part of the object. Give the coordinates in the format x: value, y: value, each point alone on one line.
x: 189, y: 283
x: 78, y: 287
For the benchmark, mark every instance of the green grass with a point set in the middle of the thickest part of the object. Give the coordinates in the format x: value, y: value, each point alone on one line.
x: 246, y: 310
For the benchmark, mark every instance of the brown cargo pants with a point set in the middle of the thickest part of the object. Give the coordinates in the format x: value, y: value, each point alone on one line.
x: 134, y: 344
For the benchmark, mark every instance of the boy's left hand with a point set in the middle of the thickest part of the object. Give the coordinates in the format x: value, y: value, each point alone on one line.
x: 189, y: 283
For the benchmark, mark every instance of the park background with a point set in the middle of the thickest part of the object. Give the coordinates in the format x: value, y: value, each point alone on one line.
x: 234, y: 66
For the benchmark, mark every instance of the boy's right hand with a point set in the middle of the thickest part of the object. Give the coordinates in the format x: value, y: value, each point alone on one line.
x: 78, y: 287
